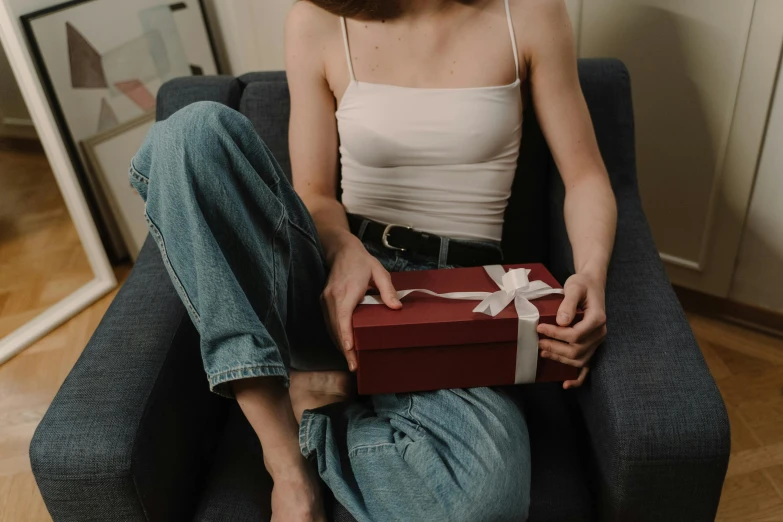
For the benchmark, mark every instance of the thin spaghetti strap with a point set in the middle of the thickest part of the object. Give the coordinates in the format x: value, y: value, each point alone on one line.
x: 348, y: 49
x: 513, y: 40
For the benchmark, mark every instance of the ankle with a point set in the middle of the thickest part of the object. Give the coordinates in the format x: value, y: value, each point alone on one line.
x: 286, y: 464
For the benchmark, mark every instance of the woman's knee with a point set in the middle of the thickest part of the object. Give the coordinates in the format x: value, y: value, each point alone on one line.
x: 206, y: 120
x: 201, y: 143
x: 208, y: 130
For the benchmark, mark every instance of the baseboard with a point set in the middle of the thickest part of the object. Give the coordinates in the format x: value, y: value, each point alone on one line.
x: 18, y: 122
x: 18, y: 133
x: 17, y: 128
x: 763, y: 319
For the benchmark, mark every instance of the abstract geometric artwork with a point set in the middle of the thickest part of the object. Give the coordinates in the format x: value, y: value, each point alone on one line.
x: 102, y: 63
x: 107, y: 119
x: 108, y: 155
x: 138, y: 93
x: 117, y: 59
x: 167, y: 52
x: 86, y: 67
x: 132, y: 61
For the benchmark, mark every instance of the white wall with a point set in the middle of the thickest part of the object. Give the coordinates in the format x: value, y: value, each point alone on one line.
x: 11, y: 102
x: 251, y: 32
x: 758, y: 278
x: 14, y: 118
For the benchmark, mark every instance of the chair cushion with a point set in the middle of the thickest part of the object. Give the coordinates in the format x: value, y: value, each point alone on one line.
x: 238, y: 486
x: 266, y: 102
x: 558, y: 442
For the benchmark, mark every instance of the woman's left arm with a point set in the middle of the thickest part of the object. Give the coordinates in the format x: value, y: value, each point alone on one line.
x: 590, y: 208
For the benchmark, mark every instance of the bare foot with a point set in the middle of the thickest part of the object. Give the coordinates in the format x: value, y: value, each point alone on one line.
x: 315, y: 389
x: 296, y: 497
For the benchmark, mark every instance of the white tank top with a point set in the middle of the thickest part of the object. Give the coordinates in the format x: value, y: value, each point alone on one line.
x: 438, y: 160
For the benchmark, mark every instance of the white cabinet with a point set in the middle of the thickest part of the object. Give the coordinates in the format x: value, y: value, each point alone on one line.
x: 758, y: 279
x: 703, y: 72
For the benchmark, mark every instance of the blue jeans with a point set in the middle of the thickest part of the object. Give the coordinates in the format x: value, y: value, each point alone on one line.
x: 244, y: 256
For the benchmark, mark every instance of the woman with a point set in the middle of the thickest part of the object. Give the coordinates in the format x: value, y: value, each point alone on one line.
x: 424, y: 99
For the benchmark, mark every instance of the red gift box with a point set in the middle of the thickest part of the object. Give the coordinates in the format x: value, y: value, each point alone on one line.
x: 434, y: 343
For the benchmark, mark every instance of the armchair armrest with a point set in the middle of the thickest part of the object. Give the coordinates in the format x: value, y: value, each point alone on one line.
x: 657, y: 425
x: 126, y: 435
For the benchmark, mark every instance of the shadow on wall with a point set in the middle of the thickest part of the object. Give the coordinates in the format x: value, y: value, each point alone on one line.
x: 677, y: 146
x: 757, y: 279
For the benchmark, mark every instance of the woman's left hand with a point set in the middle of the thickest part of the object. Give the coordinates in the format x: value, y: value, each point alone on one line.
x: 575, y: 345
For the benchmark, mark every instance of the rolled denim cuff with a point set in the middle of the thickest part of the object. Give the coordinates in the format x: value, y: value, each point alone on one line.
x: 308, y: 417
x: 219, y: 383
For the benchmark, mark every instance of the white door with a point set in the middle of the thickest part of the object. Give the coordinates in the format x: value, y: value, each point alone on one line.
x: 702, y: 72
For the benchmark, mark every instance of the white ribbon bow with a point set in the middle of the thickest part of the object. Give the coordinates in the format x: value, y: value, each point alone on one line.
x: 515, y: 286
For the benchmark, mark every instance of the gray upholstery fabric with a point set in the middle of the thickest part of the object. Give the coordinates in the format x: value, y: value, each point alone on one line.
x: 560, y: 488
x: 134, y: 433
x: 269, y: 119
x: 177, y: 93
x: 238, y: 485
x: 125, y: 437
x: 658, y: 427
x: 526, y: 224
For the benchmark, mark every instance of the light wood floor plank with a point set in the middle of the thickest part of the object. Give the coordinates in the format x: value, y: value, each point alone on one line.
x: 41, y: 258
x: 747, y: 497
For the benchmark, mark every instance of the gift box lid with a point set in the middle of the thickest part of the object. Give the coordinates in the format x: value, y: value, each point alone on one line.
x: 426, y: 320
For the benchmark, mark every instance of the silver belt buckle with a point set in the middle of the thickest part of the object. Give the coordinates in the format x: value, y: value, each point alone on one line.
x: 385, y: 237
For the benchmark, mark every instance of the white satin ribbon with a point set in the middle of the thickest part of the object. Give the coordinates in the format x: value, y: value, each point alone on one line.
x: 515, y: 286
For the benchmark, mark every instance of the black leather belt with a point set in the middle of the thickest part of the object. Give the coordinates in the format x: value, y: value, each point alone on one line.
x: 405, y: 240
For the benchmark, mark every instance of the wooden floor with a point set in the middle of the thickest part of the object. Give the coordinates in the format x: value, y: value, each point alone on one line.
x: 748, y: 367
x: 41, y: 257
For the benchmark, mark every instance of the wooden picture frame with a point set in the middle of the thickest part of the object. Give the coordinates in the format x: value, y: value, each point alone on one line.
x: 89, y: 92
x: 107, y: 157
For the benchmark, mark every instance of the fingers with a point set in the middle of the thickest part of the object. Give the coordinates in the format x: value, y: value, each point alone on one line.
x: 331, y: 320
x: 580, y: 362
x: 575, y: 293
x: 340, y: 304
x: 574, y: 351
x: 579, y: 381
x: 383, y: 283
x: 594, y: 320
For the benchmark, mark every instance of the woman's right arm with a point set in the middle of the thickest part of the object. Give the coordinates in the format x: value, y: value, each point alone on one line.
x: 313, y: 143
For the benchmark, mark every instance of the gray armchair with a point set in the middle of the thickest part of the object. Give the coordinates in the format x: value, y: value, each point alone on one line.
x: 134, y: 433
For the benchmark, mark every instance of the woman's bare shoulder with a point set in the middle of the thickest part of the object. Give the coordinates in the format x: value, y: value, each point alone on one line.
x: 538, y: 22
x: 308, y: 21
x: 311, y: 34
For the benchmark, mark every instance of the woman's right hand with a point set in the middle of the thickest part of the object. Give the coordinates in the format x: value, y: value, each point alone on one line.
x: 353, y: 271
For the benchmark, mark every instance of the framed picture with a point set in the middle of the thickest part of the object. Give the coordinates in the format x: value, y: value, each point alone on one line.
x: 101, y: 63
x: 108, y: 157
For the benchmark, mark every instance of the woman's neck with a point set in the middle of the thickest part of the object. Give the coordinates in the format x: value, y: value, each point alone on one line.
x: 418, y: 8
